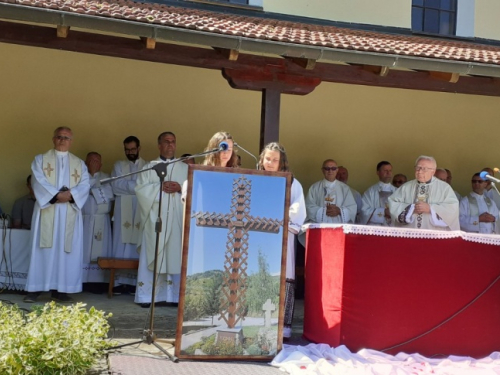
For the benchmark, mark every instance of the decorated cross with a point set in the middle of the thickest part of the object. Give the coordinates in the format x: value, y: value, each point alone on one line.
x: 238, y: 222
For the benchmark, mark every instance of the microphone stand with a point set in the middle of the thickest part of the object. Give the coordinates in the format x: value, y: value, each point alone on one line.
x: 149, y: 337
x: 249, y: 153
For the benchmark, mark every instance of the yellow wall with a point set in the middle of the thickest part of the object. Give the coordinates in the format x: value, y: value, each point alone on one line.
x: 486, y: 21
x: 395, y: 13
x: 106, y: 99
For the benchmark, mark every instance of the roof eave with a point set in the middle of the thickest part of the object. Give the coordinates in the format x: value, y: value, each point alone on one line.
x: 242, y: 44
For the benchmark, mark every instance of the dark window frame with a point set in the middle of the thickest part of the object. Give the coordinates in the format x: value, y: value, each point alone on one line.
x: 431, y: 15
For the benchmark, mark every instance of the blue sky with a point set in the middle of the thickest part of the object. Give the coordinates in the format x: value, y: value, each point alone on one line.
x: 212, y: 192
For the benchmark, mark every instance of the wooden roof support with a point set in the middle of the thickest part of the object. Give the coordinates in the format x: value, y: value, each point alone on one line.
x: 62, y: 31
x: 270, y: 78
x: 150, y: 43
x: 229, y: 54
x: 447, y: 77
x: 381, y: 71
x: 307, y: 64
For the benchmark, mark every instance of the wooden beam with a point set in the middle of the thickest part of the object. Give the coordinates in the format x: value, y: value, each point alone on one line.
x: 270, y: 117
x: 230, y: 54
x: 446, y: 77
x: 150, y: 43
x: 381, y: 71
x: 307, y: 64
x: 260, y: 78
x: 62, y: 31
x: 106, y: 45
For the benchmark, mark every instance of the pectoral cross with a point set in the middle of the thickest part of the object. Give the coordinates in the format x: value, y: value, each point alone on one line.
x: 239, y: 223
x: 48, y: 169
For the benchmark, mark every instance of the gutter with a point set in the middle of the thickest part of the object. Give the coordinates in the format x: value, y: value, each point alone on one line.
x: 241, y: 44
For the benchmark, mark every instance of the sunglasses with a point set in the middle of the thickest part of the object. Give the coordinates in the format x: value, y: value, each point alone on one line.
x: 477, y: 181
x: 330, y: 168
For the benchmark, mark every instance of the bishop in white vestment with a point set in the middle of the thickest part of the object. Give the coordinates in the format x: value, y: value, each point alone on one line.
x: 148, y: 192
x: 61, y: 185
x: 426, y: 202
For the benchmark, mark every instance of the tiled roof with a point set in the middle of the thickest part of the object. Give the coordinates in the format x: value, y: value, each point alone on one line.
x: 274, y: 30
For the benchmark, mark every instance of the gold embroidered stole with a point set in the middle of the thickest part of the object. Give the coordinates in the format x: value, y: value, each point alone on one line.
x: 47, y: 215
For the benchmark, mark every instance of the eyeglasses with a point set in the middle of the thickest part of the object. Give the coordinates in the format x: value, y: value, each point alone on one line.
x: 423, y: 169
x: 330, y: 168
x: 62, y: 138
x: 477, y: 181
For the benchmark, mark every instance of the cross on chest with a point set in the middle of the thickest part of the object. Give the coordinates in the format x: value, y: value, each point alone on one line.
x: 239, y: 223
x: 48, y: 169
x: 76, y: 176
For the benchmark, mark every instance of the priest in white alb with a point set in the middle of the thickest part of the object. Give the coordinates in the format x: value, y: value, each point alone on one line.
x: 126, y: 225
x: 375, y: 209
x: 329, y: 200
x: 148, y: 192
x: 426, y: 202
x: 97, y: 240
x: 61, y: 185
x: 478, y: 213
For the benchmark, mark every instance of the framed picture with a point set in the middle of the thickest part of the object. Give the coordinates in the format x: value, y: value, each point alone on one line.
x: 233, y: 268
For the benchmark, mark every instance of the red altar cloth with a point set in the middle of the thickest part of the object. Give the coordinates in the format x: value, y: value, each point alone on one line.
x: 379, y: 291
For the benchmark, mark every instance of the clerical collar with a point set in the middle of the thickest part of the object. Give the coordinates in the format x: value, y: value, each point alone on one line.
x: 476, y: 195
x: 165, y: 159
x: 61, y: 153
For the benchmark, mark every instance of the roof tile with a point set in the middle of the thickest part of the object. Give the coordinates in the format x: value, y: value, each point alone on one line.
x: 274, y: 30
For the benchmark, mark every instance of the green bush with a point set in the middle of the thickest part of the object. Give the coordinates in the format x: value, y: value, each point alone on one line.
x: 52, y: 339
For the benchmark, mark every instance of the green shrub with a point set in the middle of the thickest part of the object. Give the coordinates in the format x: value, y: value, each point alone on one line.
x: 53, y: 339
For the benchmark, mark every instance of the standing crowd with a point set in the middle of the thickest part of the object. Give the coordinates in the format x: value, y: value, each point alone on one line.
x: 71, y: 225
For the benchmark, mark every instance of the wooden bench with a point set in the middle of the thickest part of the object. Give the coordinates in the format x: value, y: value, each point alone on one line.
x: 114, y: 264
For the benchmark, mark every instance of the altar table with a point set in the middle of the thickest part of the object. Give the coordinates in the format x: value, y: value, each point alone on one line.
x: 402, y: 290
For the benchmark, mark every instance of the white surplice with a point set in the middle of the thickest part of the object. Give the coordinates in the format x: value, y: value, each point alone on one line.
x: 170, y: 239
x: 326, y: 192
x: 124, y: 187
x: 54, y: 268
x: 438, y: 194
x: 97, y: 239
x: 469, y: 214
x: 297, y: 216
x: 374, y: 204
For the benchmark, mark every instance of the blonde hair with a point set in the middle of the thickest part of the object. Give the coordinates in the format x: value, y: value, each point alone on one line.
x: 275, y: 146
x: 214, y: 159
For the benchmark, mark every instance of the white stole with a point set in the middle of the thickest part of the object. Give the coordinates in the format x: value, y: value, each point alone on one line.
x: 99, y: 219
x: 475, y: 211
x: 131, y: 224
x: 47, y: 215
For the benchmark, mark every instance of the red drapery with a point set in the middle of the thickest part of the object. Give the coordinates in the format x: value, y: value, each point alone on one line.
x: 367, y: 291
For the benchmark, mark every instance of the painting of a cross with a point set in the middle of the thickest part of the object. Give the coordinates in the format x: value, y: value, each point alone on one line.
x: 239, y: 223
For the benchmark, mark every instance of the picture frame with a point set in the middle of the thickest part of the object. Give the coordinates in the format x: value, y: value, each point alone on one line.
x: 231, y: 304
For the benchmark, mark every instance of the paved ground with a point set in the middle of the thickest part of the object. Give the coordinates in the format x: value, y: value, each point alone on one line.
x: 127, y: 326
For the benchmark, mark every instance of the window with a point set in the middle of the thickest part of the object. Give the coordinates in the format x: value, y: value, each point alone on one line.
x: 434, y: 16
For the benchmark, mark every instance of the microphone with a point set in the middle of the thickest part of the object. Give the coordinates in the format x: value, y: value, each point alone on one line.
x: 249, y: 153
x: 223, y: 146
x: 485, y: 176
